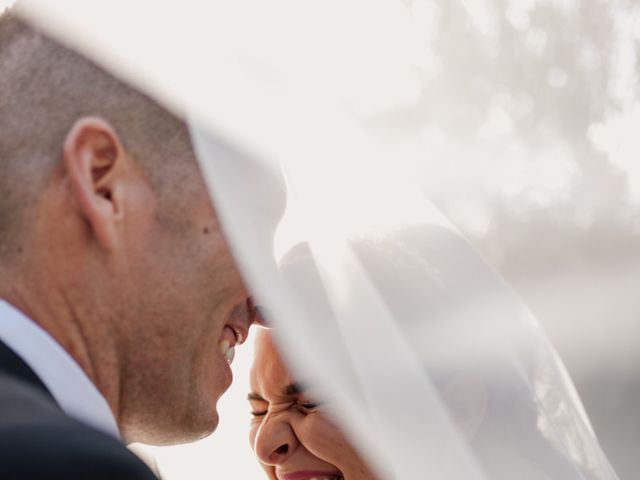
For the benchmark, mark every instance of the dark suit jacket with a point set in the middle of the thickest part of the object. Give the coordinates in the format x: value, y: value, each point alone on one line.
x: 39, y: 441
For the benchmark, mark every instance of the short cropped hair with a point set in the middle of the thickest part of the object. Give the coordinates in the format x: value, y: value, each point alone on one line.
x: 44, y: 88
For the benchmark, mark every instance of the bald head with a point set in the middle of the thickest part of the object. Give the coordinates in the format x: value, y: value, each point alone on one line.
x: 44, y: 89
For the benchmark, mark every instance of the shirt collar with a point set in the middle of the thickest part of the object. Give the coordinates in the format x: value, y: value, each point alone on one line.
x: 68, y: 383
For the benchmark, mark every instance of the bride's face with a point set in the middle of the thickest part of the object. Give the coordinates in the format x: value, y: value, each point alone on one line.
x: 290, y: 435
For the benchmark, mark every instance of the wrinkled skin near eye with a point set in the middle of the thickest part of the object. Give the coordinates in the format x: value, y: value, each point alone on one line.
x: 291, y: 436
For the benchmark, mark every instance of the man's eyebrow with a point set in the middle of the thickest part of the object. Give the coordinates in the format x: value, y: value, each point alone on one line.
x: 294, y: 388
x: 255, y: 397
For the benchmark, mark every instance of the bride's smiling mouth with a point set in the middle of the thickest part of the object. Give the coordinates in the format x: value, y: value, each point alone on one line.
x: 310, y: 475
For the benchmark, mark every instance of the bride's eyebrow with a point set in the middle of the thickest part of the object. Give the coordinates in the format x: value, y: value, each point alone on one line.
x: 294, y: 388
x: 290, y: 390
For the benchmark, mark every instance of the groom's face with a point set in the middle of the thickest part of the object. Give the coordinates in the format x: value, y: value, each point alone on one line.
x: 190, y: 306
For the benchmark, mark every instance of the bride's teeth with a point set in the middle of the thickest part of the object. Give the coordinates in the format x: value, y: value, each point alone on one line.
x: 230, y: 354
x: 239, y: 337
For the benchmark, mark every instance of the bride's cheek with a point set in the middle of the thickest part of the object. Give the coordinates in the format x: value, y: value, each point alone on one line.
x: 324, y: 440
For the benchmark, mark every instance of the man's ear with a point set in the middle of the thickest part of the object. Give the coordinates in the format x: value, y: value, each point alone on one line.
x: 94, y: 160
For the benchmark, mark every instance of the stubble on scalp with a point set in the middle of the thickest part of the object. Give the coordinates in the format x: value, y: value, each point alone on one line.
x: 44, y: 88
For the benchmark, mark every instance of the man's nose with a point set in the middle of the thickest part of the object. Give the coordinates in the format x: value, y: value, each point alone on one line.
x: 275, y: 440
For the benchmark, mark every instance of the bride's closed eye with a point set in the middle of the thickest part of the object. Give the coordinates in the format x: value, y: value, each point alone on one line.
x: 304, y: 407
x: 259, y: 406
x: 307, y: 407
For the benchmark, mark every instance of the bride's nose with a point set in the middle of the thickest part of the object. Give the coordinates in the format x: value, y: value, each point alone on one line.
x: 275, y: 441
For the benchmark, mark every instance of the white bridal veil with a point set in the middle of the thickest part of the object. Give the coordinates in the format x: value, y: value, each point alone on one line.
x: 358, y: 119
